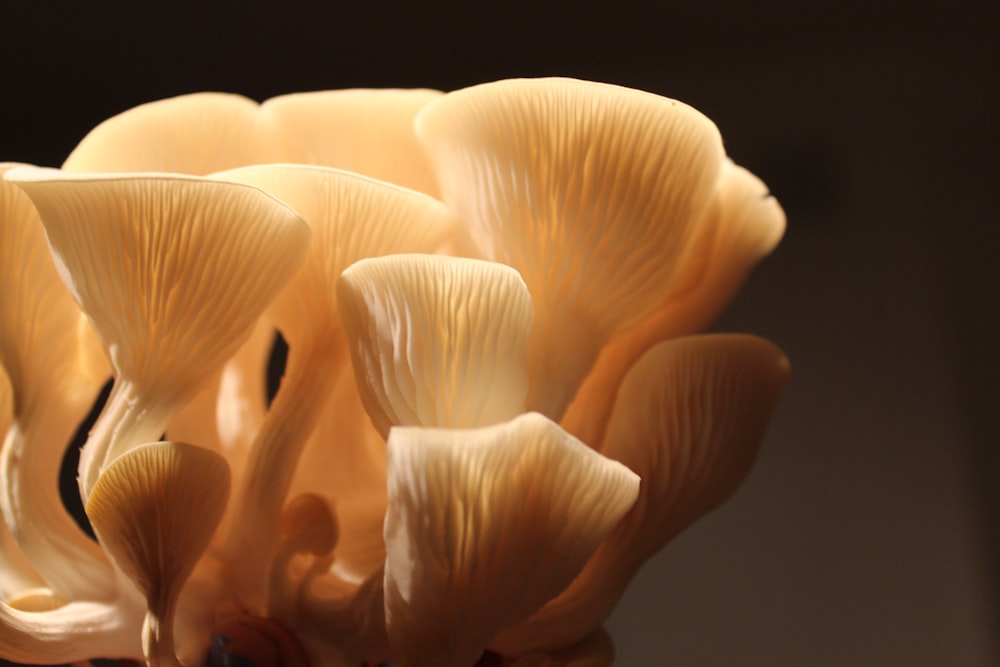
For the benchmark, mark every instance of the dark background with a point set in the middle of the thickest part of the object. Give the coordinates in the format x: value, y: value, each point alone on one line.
x: 869, y: 532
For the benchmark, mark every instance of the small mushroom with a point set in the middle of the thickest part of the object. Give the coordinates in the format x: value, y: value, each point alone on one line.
x: 309, y: 529
x: 437, y: 341
x: 155, y: 509
x: 345, y: 461
x: 485, y: 526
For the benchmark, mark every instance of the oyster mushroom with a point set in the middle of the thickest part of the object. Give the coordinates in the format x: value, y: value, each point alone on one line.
x: 173, y: 271
x: 56, y: 370
x: 155, y: 509
x: 688, y: 420
x: 591, y: 191
x: 491, y: 512
x: 352, y: 217
x: 195, y: 134
x: 437, y: 341
x: 485, y: 526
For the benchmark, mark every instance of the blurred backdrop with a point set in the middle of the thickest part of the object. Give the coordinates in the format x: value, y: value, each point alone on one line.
x: 869, y: 531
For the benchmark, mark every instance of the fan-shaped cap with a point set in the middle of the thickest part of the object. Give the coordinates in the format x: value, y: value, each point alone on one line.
x: 743, y: 223
x: 590, y: 190
x: 154, y: 509
x: 190, y: 134
x: 688, y: 420
x: 172, y: 270
x: 437, y: 341
x: 352, y: 217
x: 361, y: 130
x: 484, y: 526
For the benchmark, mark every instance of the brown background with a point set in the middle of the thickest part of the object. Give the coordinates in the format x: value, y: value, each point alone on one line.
x: 869, y: 532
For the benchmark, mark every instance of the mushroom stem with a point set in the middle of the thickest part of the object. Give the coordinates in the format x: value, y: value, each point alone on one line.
x: 254, y: 533
x: 158, y: 632
x: 129, y: 418
x: 310, y: 528
x: 17, y: 573
x: 29, y: 473
x: 70, y: 633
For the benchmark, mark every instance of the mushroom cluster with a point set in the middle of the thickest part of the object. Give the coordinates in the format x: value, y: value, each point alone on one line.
x: 494, y: 410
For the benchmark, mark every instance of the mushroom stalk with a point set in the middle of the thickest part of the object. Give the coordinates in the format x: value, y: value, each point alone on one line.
x: 73, y: 632
x: 253, y: 539
x: 30, y: 461
x: 128, y: 419
x: 158, y: 632
x: 16, y: 572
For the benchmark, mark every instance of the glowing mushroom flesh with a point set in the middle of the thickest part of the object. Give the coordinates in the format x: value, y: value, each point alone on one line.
x: 173, y: 272
x: 511, y: 525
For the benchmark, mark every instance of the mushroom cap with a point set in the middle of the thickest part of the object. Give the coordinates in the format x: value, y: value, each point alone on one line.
x: 189, y: 134
x: 367, y: 131
x: 172, y: 270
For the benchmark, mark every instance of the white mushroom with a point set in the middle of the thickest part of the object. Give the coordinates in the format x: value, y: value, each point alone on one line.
x: 485, y: 526
x: 56, y: 370
x: 591, y: 191
x: 154, y: 509
x: 437, y: 341
x: 173, y: 271
x: 195, y: 134
x: 352, y: 217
